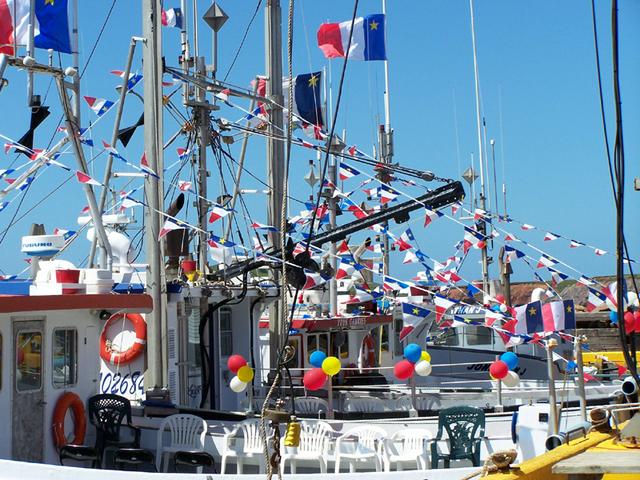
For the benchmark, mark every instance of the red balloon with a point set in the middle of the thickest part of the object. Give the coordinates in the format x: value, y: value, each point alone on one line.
x: 500, y: 298
x: 403, y: 369
x: 235, y: 362
x: 629, y: 322
x: 499, y: 369
x: 636, y: 316
x: 314, y: 379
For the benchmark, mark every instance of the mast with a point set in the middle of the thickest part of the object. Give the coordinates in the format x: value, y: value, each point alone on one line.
x: 275, y: 159
x: 386, y: 144
x: 152, y: 48
x: 483, y: 206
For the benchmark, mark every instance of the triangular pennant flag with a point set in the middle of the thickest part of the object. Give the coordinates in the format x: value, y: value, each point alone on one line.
x: 86, y: 179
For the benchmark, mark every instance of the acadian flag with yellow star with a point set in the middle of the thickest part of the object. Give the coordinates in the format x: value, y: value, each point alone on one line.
x: 307, y: 103
x: 412, y: 316
x: 529, y: 318
x: 51, y: 29
x: 367, y: 40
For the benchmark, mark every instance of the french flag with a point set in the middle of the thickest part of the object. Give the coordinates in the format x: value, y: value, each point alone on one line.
x: 100, y: 106
x: 367, y: 39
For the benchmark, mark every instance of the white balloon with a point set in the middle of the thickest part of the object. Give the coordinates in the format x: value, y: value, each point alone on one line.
x: 237, y: 385
x: 423, y: 368
x: 632, y: 298
x: 503, y: 308
x: 511, y: 380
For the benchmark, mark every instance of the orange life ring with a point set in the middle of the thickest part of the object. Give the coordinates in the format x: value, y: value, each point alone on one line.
x: 69, y: 400
x: 368, y: 352
x: 114, y: 357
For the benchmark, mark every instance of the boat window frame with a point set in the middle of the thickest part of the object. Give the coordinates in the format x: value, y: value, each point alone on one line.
x: 225, y: 334
x: 19, y: 333
x: 64, y: 385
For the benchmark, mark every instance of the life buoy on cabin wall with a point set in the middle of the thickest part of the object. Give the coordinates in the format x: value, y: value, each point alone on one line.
x: 69, y: 400
x: 115, y: 357
x: 368, y: 352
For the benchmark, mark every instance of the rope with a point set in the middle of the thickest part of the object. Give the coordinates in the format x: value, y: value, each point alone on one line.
x: 502, y: 459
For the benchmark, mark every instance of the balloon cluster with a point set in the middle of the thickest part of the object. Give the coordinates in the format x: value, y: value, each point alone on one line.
x: 244, y: 373
x: 503, y: 369
x: 415, y: 361
x: 324, y: 367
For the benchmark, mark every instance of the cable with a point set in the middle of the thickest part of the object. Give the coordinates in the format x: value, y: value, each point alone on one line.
x: 244, y: 37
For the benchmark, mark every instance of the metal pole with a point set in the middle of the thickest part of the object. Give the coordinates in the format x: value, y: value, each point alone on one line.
x: 74, y: 138
x: 243, y: 152
x: 76, y: 62
x: 203, y: 136
x: 30, y: 48
x: 333, y: 286
x: 386, y: 145
x: 495, y: 178
x: 485, y: 260
x: 551, y: 344
x: 275, y: 158
x: 152, y: 49
x: 114, y: 139
x: 330, y: 399
x: 184, y: 41
x: 581, y: 392
x: 499, y: 407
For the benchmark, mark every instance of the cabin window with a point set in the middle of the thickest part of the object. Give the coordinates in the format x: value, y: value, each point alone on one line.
x: 65, y: 357
x: 28, y: 361
x: 477, y: 335
x: 226, y: 333
x: 450, y: 337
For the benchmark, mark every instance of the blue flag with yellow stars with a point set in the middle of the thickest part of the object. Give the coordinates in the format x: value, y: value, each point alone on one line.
x: 307, y: 102
x: 52, y: 26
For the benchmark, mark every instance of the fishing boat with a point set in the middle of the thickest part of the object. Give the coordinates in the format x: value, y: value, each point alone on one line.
x: 233, y: 349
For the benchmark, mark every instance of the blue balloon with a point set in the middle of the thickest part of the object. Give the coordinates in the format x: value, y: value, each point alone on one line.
x: 511, y: 359
x: 613, y: 316
x: 317, y: 358
x: 412, y: 352
x: 571, y: 366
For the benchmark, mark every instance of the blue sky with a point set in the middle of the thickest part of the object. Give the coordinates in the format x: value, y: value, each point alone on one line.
x: 539, y: 95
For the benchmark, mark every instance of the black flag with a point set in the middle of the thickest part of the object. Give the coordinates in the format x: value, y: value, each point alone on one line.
x: 38, y: 115
x: 125, y: 134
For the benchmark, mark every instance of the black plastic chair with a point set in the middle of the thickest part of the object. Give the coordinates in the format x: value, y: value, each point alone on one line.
x: 134, y: 459
x: 194, y: 459
x: 106, y: 413
x: 79, y: 453
x: 465, y: 429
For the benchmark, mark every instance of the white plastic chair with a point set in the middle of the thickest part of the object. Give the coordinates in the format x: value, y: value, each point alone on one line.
x: 366, y: 443
x: 315, y: 438
x: 364, y: 405
x: 250, y: 447
x: 409, y: 445
x: 403, y: 403
x: 187, y: 433
x: 311, y: 406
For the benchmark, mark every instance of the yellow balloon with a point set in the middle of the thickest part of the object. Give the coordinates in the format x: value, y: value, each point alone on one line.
x: 331, y: 366
x: 425, y: 356
x: 245, y: 373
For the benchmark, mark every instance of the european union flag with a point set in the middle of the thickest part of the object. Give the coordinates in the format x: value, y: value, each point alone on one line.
x: 53, y: 24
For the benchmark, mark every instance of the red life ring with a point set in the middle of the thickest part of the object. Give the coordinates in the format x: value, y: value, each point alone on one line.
x: 368, y: 352
x: 114, y: 357
x: 69, y: 400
